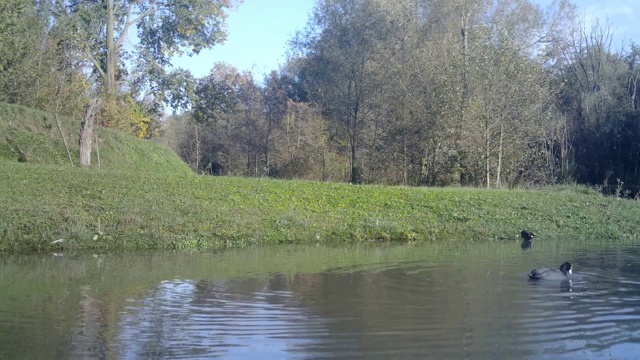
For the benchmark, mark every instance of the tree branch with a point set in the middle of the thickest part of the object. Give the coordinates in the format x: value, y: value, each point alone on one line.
x: 129, y: 22
x: 125, y: 31
x: 144, y: 13
x: 96, y: 64
x: 63, y: 7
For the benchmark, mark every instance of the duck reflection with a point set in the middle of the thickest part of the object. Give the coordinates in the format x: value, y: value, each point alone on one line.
x: 563, y: 286
x: 526, y: 244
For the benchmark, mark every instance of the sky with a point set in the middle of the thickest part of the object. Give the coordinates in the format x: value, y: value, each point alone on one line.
x: 259, y: 32
x: 258, y: 35
x: 621, y: 14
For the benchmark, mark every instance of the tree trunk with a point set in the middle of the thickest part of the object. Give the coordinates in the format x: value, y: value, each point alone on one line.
x: 372, y: 158
x: 565, y: 149
x: 97, y: 147
x: 324, y: 174
x: 634, y: 86
x: 354, y: 167
x: 405, y: 175
x: 248, y: 161
x: 425, y: 167
x: 487, y: 153
x: 267, y: 169
x: 197, y: 148
x: 353, y: 123
x: 498, y: 184
x: 288, y: 134
x: 465, y: 75
x: 86, y: 132
x: 110, y: 81
x: 465, y: 14
x: 255, y: 165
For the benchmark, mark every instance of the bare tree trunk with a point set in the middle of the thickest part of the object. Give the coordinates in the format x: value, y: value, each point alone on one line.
x: 287, y: 131
x: 464, y: 30
x: 324, y: 150
x: 86, y: 132
x: 110, y: 81
x: 248, y: 162
x: 64, y: 140
x: 465, y: 14
x: 633, y: 85
x: 354, y: 165
x: 267, y: 170
x: 498, y: 184
x: 564, y: 149
x: 405, y: 177
x: 353, y: 175
x: 373, y: 150
x: 487, y: 153
x: 197, y: 148
x: 347, y: 169
x: 425, y: 166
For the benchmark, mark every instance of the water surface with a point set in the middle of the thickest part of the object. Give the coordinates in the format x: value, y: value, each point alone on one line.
x: 373, y: 301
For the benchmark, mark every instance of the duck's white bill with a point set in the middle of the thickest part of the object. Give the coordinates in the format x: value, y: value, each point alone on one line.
x: 570, y: 271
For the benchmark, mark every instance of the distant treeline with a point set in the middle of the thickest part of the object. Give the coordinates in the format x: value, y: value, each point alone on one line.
x: 415, y: 92
x: 435, y: 92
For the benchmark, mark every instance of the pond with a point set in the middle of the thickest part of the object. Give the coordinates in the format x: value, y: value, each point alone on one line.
x: 300, y: 302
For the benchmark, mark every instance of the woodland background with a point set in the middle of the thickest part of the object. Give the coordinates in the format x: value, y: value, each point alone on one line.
x: 478, y: 93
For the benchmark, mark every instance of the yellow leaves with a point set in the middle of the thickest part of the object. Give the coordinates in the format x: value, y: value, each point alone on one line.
x: 139, y: 121
x: 140, y: 124
x: 126, y: 115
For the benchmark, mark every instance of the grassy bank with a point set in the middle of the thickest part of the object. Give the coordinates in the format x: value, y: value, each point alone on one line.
x: 32, y: 136
x: 167, y: 211
x: 144, y: 197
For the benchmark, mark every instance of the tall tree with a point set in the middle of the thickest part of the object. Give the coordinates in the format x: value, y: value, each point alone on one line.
x: 342, y: 47
x: 276, y: 94
x: 164, y: 29
x: 599, y: 97
x: 37, y: 69
x: 215, y: 105
x: 101, y: 27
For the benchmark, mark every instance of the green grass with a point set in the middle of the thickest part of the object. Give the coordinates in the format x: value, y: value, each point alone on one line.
x: 32, y: 136
x: 168, y: 211
x: 143, y: 197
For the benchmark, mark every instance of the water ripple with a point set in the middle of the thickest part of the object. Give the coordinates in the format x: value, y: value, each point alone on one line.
x: 463, y: 306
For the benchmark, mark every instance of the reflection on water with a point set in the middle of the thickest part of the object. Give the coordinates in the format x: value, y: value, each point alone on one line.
x: 526, y: 244
x: 88, y: 339
x: 187, y: 319
x: 370, y: 302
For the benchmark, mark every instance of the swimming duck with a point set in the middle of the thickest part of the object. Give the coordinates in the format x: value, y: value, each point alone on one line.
x: 552, y: 274
x: 527, y: 235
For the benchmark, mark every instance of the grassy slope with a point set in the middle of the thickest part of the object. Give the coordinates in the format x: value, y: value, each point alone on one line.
x: 34, y: 136
x: 145, y: 198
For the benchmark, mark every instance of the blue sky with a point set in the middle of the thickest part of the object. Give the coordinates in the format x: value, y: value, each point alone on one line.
x: 622, y: 15
x: 259, y: 31
x: 258, y: 36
